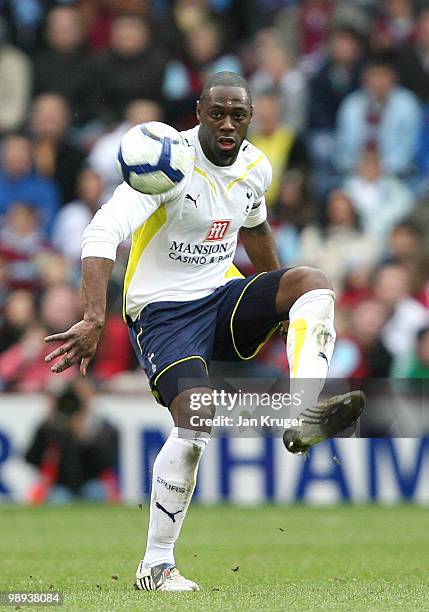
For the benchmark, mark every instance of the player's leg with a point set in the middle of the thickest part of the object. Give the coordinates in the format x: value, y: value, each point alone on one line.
x: 306, y: 295
x: 305, y: 298
x: 174, y: 478
x: 173, y: 341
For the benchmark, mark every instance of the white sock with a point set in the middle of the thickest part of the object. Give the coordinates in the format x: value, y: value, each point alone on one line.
x: 310, y: 343
x: 173, y: 483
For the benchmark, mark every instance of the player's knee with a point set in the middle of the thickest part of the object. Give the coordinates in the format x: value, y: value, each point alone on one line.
x: 297, y: 281
x: 313, y: 278
x: 304, y: 278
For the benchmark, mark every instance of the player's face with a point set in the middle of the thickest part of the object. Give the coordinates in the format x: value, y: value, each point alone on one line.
x: 224, y: 115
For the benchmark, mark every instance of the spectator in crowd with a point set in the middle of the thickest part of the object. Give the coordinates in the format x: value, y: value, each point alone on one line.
x: 339, y: 243
x: 132, y: 67
x: 404, y: 243
x: 204, y: 53
x: 206, y: 50
x: 296, y: 204
x: 103, y: 157
x: 380, y: 114
x: 266, y: 39
x: 19, y: 313
x: 59, y: 306
x: 54, y: 156
x: 304, y: 27
x: 367, y: 321
x: 380, y: 200
x: 75, y: 453
x: 395, y: 26
x: 355, y: 14
x: 22, y: 366
x: 346, y: 354
x: 21, y: 239
x: 98, y: 16
x: 20, y: 182
x: 361, y: 353
x: 61, y: 66
x: 314, y: 24
x: 187, y: 16
x: 283, y: 148
x: 420, y: 217
x: 412, y: 60
x: 356, y: 285
x: 294, y: 210
x: 54, y: 269
x: 275, y: 72
x: 242, y: 16
x: 337, y: 77
x: 391, y: 285
x: 420, y: 278
x: 280, y: 20
x: 15, y: 89
x: 75, y: 216
x: 414, y: 366
x: 24, y: 19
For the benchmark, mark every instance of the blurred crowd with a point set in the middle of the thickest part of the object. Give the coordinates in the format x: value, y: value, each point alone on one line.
x: 341, y: 93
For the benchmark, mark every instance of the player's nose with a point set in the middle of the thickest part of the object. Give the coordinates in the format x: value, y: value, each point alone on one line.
x: 227, y: 124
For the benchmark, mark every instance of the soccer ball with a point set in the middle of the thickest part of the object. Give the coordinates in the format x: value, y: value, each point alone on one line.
x: 153, y: 157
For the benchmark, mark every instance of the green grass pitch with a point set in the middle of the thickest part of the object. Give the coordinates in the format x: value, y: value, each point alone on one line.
x: 265, y: 558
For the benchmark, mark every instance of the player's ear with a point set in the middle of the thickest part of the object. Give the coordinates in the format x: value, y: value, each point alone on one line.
x: 197, y: 111
x: 252, y: 108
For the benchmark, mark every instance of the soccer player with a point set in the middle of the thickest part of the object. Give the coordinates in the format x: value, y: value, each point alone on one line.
x: 186, y: 304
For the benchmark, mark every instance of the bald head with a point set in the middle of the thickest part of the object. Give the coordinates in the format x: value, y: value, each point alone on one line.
x: 225, y: 79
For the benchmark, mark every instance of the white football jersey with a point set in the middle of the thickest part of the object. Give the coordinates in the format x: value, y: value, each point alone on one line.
x: 183, y: 241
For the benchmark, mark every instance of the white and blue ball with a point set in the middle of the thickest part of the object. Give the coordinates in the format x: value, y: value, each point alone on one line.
x: 154, y: 158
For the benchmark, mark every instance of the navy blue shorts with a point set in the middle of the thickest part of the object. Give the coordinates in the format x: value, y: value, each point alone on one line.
x: 174, y: 341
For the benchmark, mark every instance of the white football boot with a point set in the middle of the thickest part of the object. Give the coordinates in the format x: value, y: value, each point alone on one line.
x: 163, y: 577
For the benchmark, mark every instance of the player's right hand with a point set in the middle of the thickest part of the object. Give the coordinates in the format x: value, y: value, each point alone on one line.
x: 79, y: 345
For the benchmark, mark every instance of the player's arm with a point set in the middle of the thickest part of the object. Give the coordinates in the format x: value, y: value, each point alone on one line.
x: 255, y: 232
x: 113, y: 223
x: 260, y: 247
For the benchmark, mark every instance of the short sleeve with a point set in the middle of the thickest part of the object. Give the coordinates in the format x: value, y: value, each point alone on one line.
x: 257, y: 214
x: 116, y: 220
